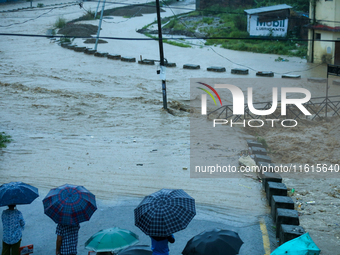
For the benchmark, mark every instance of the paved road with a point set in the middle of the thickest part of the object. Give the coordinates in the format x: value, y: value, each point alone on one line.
x: 40, y: 229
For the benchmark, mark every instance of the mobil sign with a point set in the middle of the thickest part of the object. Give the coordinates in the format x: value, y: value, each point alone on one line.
x: 266, y: 28
x: 268, y: 21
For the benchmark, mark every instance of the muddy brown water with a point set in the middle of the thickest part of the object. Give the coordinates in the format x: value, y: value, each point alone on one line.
x: 96, y: 122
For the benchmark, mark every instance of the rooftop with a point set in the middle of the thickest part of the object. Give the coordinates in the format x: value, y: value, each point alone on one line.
x: 268, y: 9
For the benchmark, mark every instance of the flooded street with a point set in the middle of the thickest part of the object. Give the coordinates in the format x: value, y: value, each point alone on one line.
x: 99, y: 123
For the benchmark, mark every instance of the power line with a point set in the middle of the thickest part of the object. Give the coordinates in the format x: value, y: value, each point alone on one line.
x: 175, y: 38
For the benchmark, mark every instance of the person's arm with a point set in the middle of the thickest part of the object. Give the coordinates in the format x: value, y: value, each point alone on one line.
x: 22, y: 221
x: 58, y: 244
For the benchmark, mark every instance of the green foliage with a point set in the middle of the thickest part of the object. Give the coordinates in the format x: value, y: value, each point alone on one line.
x: 299, y: 5
x: 89, y: 15
x: 40, y: 5
x: 177, y: 44
x: 240, y: 22
x: 65, y: 40
x: 4, y: 139
x: 60, y: 23
x: 263, y: 141
x: 208, y: 20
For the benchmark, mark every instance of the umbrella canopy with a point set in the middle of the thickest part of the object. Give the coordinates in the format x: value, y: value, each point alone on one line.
x: 136, y: 250
x: 69, y: 204
x: 216, y: 241
x: 17, y: 193
x: 302, y: 245
x: 165, y: 212
x: 111, y: 239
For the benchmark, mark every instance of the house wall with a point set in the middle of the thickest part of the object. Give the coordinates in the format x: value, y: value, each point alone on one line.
x: 326, y: 13
x: 324, y: 51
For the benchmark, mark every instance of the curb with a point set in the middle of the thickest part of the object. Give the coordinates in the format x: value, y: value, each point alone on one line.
x: 284, y: 216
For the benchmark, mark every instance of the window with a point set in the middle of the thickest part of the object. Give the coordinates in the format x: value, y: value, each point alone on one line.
x: 317, y: 36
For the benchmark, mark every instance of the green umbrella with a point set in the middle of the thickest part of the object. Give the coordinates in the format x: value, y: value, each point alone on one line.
x: 111, y: 239
x: 302, y: 245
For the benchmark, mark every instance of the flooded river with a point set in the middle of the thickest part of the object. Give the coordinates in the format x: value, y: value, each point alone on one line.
x: 99, y: 123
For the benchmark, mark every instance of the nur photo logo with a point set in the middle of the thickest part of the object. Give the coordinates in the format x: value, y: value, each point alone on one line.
x: 239, y: 106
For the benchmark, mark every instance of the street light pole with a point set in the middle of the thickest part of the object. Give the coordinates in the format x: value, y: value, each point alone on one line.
x: 100, y: 25
x: 161, y: 54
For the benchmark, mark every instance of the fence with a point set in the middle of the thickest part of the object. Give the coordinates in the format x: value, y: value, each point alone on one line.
x: 319, y: 107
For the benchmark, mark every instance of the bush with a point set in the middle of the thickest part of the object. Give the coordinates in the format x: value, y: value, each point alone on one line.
x: 240, y: 22
x: 60, y: 23
x: 4, y: 139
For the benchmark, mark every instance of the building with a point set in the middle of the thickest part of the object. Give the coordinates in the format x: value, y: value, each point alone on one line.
x: 268, y: 21
x: 324, y: 32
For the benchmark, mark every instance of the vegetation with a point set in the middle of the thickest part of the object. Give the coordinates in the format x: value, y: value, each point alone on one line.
x: 40, y: 5
x: 60, y: 23
x: 229, y: 30
x: 175, y: 43
x: 299, y: 5
x: 4, y: 139
x: 263, y: 141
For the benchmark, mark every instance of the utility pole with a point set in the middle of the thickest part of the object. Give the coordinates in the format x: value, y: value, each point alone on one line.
x: 100, y: 24
x: 161, y: 54
x: 95, y: 14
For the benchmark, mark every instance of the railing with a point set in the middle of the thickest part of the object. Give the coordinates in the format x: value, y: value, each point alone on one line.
x: 319, y: 107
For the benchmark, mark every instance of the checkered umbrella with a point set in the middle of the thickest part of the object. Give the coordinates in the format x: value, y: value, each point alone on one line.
x: 165, y: 212
x: 69, y: 204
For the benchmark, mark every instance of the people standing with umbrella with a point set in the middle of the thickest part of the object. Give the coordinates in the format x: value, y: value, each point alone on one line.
x: 163, y: 213
x: 67, y: 239
x: 13, y: 225
x: 160, y: 245
x: 11, y: 194
x: 69, y: 205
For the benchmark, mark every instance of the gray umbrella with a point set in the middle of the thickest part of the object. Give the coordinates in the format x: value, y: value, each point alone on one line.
x: 136, y: 250
x: 165, y: 212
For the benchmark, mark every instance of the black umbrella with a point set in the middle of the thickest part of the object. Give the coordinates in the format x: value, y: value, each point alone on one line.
x: 136, y: 250
x: 214, y: 242
x: 165, y: 212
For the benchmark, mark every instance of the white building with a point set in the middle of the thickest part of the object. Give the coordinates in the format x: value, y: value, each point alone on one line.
x: 324, y: 32
x: 268, y: 21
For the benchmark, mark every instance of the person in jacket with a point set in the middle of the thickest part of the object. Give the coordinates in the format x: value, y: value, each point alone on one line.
x: 13, y: 225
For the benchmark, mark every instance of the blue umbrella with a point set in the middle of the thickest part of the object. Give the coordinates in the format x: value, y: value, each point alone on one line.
x: 17, y: 193
x: 302, y: 245
x: 69, y: 204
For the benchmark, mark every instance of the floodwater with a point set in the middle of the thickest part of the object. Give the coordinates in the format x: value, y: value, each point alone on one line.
x: 99, y: 123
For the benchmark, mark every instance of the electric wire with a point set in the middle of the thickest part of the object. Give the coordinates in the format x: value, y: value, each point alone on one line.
x: 43, y: 14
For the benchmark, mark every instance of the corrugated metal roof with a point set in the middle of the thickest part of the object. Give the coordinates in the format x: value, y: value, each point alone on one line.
x: 268, y: 9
